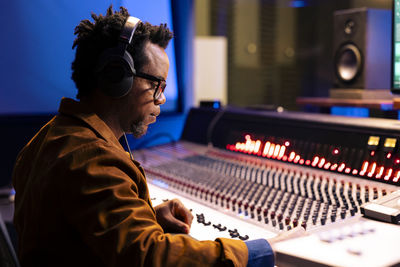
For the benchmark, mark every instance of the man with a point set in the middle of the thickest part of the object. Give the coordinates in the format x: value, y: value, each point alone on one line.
x: 80, y: 199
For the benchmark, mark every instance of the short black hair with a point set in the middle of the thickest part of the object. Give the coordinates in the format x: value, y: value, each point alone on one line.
x: 94, y: 37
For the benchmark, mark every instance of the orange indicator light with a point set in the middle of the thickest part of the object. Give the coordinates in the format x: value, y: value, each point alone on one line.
x: 364, y: 168
x: 271, y: 150
x: 380, y: 172
x: 341, y: 167
x: 388, y: 174
x: 276, y: 151
x: 397, y: 177
x: 291, y: 156
x: 266, y: 148
x: 372, y: 170
x: 321, y: 163
x: 315, y: 161
x: 281, y: 152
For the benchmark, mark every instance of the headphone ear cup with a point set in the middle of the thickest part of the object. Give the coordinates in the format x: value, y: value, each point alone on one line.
x: 115, y: 68
x: 113, y: 87
x: 116, y: 76
x: 125, y: 86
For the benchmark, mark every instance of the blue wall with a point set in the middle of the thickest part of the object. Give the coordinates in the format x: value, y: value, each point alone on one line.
x: 37, y: 37
x: 35, y: 66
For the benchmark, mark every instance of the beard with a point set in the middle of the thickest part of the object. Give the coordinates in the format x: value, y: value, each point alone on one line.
x: 138, y: 129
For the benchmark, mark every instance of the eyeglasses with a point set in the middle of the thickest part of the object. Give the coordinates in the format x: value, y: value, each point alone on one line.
x: 161, y: 83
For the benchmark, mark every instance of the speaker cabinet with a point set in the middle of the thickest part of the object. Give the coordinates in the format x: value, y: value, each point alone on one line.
x: 362, y: 48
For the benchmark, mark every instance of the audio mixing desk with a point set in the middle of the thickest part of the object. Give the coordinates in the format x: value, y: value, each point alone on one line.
x: 248, y: 175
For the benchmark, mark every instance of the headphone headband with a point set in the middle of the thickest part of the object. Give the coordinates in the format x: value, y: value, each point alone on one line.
x: 128, y: 30
x: 118, y: 82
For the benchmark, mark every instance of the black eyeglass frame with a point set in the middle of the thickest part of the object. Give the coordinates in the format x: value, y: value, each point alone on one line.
x: 159, y: 89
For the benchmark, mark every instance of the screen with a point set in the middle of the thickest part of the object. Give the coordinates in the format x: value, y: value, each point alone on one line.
x: 396, y: 48
x: 37, y: 38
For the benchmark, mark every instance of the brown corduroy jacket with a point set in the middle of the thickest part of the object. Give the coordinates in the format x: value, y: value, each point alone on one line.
x: 81, y: 201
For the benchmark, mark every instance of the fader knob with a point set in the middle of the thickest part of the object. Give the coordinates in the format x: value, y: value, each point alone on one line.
x: 272, y: 215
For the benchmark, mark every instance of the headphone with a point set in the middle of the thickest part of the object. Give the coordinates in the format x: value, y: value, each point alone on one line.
x: 115, y: 67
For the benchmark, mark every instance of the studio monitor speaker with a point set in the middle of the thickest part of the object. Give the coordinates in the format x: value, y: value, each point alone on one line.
x: 361, y: 45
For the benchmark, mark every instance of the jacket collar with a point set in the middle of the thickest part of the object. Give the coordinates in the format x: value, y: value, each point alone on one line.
x: 77, y: 110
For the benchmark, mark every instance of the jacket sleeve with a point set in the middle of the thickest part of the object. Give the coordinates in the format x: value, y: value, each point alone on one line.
x: 106, y: 199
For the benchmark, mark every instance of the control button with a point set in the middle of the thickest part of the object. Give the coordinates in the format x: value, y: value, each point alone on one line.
x: 234, y: 233
x: 244, y: 238
x: 354, y: 251
x: 326, y: 237
x: 258, y: 210
x: 352, y: 212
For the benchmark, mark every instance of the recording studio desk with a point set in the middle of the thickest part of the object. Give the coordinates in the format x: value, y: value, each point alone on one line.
x: 385, y: 104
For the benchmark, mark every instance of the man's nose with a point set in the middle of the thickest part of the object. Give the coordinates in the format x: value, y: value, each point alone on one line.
x: 160, y: 100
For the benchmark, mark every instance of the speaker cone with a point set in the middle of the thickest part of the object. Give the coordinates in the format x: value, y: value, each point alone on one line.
x: 348, y: 63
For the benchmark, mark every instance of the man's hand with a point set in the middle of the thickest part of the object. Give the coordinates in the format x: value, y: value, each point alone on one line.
x: 174, y: 217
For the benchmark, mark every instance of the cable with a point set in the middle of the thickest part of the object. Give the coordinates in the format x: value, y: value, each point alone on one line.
x: 212, y: 124
x: 129, y: 148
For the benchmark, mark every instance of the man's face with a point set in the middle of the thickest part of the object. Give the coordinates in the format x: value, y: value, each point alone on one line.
x: 140, y: 108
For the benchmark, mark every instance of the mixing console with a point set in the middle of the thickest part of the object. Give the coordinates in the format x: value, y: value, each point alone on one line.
x: 208, y: 223
x: 269, y: 194
x: 248, y: 175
